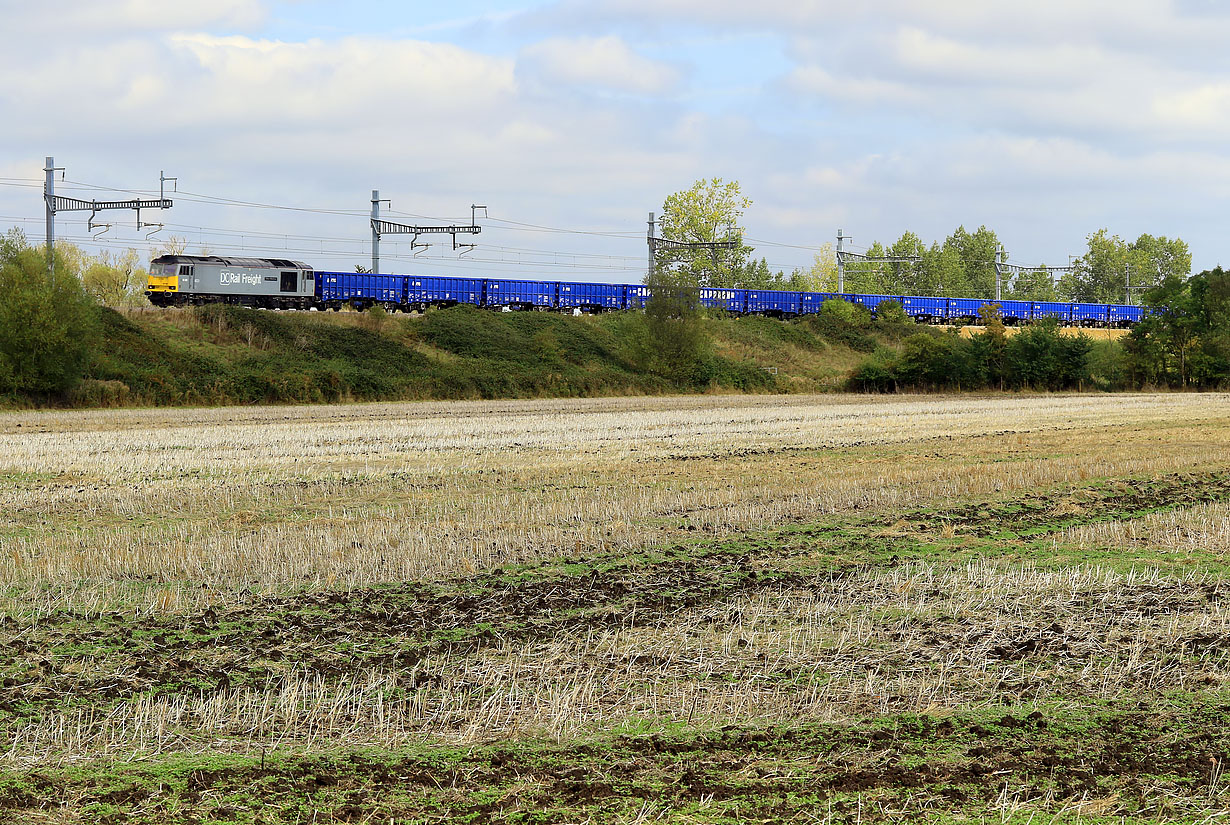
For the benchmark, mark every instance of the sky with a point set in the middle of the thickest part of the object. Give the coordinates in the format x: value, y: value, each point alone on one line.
x: 571, y: 121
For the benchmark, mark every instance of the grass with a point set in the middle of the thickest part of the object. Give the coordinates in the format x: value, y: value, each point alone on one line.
x: 931, y: 766
x: 228, y: 355
x: 217, y: 355
x: 684, y: 609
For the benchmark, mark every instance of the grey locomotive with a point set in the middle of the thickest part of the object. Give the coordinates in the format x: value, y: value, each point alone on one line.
x: 274, y: 283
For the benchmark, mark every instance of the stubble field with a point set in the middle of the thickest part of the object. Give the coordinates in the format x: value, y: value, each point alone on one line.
x: 715, y: 609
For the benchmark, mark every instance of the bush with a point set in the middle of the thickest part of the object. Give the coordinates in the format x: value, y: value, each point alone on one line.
x: 1038, y: 358
x: 939, y: 362
x: 676, y: 328
x: 48, y: 325
x: 838, y: 313
x: 1108, y: 368
x: 876, y: 374
x: 842, y: 322
x: 892, y: 322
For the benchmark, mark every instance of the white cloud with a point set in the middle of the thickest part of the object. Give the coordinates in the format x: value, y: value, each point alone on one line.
x: 371, y: 79
x: 816, y: 80
x: 1141, y: 21
x: 1122, y: 69
x: 601, y: 62
x: 71, y: 17
x: 1044, y: 121
x: 1054, y: 88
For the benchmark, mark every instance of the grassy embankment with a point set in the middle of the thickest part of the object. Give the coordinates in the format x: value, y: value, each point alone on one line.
x: 226, y: 355
x: 222, y: 355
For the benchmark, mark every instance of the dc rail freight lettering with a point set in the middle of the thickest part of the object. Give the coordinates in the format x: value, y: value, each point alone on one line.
x: 275, y: 283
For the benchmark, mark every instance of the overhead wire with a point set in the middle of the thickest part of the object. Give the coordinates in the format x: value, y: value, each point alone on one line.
x: 225, y: 232
x: 507, y: 224
x: 196, y: 197
x: 489, y: 263
x: 575, y: 260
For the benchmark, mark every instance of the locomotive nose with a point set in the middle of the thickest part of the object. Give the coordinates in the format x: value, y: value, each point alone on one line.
x: 162, y: 278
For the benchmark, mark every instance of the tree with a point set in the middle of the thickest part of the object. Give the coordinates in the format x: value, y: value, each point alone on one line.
x: 672, y: 315
x: 977, y: 251
x: 1184, y: 339
x: 171, y: 245
x: 942, y: 271
x: 11, y: 243
x: 48, y: 323
x: 114, y: 280
x: 751, y: 275
x: 1153, y: 259
x: 1034, y: 285
x: 707, y: 212
x: 904, y: 278
x: 1098, y: 276
x: 867, y: 276
x: 1211, y: 295
x: 962, y: 267
x: 992, y: 343
x: 821, y: 276
x: 1101, y: 274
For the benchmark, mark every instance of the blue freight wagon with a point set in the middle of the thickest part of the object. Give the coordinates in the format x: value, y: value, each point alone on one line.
x: 810, y: 302
x: 635, y: 296
x: 592, y: 297
x: 361, y: 289
x: 520, y: 294
x: 772, y: 302
x: 964, y: 309
x: 922, y: 308
x: 730, y: 300
x: 329, y: 286
x: 423, y: 291
x: 1013, y: 312
x: 1119, y: 315
x: 1058, y: 310
x: 1089, y: 314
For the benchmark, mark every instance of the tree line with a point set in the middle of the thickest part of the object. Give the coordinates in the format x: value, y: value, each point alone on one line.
x: 1182, y: 343
x: 1184, y: 340
x: 1038, y: 357
x: 1111, y: 269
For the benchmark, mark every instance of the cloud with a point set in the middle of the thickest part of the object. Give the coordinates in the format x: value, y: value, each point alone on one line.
x: 1044, y: 121
x: 1053, y: 89
x: 73, y: 17
x: 1146, y: 21
x: 867, y: 91
x: 596, y: 62
x: 1123, y: 71
x: 355, y: 77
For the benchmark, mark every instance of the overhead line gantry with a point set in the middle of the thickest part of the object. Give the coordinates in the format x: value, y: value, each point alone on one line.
x: 58, y: 203
x: 382, y: 227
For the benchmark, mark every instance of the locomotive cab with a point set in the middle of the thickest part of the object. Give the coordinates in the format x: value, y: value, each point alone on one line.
x: 163, y: 276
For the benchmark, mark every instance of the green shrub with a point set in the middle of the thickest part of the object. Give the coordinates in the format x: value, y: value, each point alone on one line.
x: 48, y: 325
x: 842, y: 322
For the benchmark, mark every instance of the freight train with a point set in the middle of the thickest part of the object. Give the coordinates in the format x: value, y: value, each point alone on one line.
x: 276, y: 283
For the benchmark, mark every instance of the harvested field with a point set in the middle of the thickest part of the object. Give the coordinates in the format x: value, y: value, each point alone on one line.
x: 682, y: 609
